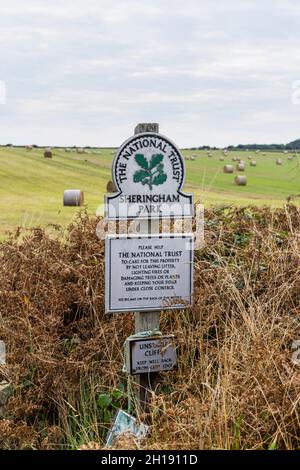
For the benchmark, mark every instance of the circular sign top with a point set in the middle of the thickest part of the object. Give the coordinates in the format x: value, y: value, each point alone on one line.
x: 148, y: 163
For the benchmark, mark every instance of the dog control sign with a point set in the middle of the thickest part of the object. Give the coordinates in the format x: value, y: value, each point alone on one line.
x: 149, y: 174
x: 148, y: 272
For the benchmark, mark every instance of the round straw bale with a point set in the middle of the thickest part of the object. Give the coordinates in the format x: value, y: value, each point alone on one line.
x: 48, y: 153
x: 253, y: 163
x: 278, y: 161
x: 290, y: 158
x: 228, y: 169
x: 73, y: 197
x: 234, y: 159
x: 241, y: 180
x: 221, y: 159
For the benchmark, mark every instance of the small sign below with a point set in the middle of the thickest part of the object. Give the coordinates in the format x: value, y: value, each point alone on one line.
x: 126, y: 425
x: 150, y: 354
x: 148, y: 272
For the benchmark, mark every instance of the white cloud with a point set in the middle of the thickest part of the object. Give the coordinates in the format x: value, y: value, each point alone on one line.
x: 209, y: 72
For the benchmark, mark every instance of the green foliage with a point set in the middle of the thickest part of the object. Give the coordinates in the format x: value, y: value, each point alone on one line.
x: 103, y: 401
x: 91, y: 417
x: 273, y: 445
x: 242, y: 239
x: 237, y: 433
x: 140, y: 175
x: 159, y: 179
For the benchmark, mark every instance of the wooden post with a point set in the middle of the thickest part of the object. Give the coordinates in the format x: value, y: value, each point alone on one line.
x: 147, y: 321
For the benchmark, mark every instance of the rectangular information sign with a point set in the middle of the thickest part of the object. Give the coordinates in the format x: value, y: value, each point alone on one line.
x: 148, y: 272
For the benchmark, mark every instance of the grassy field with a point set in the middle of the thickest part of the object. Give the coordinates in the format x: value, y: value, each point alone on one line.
x: 32, y: 187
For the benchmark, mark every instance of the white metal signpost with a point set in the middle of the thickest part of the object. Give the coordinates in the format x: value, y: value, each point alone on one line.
x: 148, y: 272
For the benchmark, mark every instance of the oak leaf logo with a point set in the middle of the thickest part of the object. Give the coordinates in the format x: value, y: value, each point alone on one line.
x: 151, y: 173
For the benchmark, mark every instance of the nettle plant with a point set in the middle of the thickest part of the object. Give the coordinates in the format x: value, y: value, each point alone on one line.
x: 151, y: 173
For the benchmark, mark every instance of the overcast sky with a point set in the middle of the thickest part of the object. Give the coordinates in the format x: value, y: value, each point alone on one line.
x: 212, y: 72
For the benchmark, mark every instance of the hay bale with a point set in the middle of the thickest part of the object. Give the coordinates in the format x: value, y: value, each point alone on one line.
x: 186, y: 158
x: 80, y: 150
x: 278, y: 161
x: 249, y: 157
x: 240, y: 166
x: 111, y: 187
x: 48, y: 153
x: 193, y: 158
x: 29, y: 147
x: 228, y: 169
x: 290, y: 158
x: 221, y: 159
x: 253, y: 163
x: 73, y: 197
x: 241, y: 180
x: 234, y: 159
